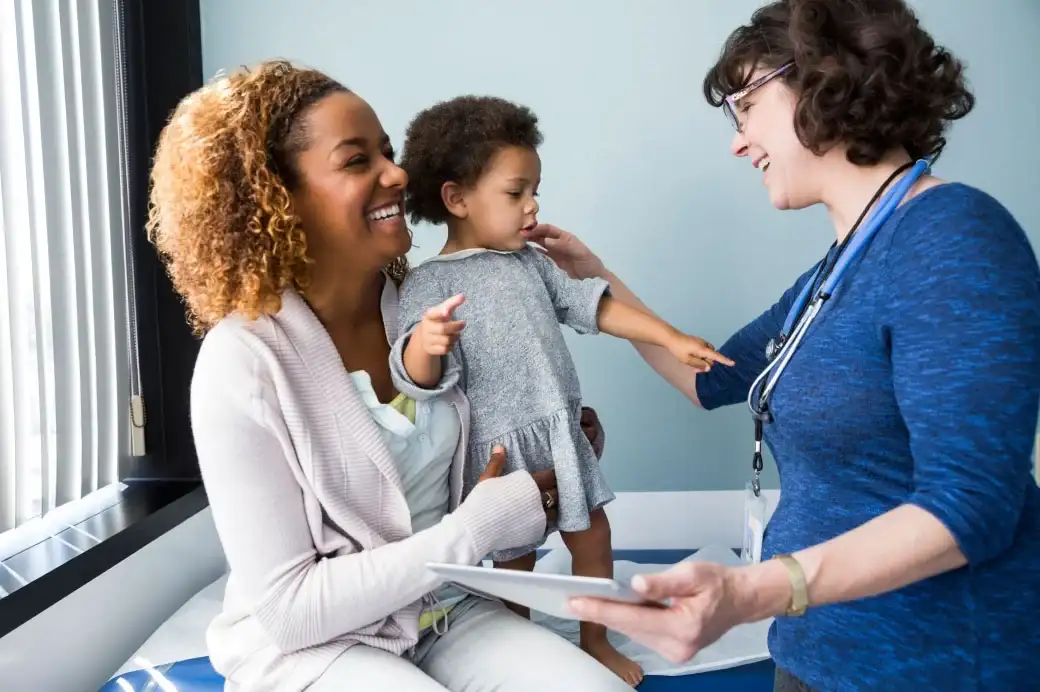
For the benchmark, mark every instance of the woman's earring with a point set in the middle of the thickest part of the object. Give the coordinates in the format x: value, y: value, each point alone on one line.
x: 397, y: 269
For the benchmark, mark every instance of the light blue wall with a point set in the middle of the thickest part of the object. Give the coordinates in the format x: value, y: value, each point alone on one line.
x: 637, y: 164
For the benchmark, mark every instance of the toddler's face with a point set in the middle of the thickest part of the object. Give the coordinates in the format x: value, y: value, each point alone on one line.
x: 502, y: 203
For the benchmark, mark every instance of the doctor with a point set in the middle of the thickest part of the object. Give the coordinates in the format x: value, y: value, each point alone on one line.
x: 902, y: 393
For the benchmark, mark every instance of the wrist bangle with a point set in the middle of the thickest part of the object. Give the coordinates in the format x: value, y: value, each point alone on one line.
x: 799, y: 589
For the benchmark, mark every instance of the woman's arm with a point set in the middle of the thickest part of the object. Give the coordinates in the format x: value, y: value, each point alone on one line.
x: 681, y: 376
x: 707, y: 599
x: 901, y: 547
x: 300, y: 597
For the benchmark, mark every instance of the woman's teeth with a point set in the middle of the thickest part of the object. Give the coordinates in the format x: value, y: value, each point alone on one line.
x: 385, y: 212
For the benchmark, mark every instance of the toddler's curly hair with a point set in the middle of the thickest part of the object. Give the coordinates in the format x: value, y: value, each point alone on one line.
x: 453, y: 141
x: 865, y: 72
x: 220, y: 211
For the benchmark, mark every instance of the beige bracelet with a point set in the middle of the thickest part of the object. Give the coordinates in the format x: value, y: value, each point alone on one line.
x: 799, y: 588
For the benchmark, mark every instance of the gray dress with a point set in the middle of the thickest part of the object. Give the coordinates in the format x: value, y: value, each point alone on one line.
x: 514, y: 365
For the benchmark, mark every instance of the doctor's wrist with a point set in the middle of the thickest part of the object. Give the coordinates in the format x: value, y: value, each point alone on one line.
x: 763, y: 590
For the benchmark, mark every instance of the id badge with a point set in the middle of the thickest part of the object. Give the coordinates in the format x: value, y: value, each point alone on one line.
x: 754, y: 525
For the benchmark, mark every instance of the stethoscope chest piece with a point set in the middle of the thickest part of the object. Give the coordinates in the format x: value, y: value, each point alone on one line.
x: 774, y: 346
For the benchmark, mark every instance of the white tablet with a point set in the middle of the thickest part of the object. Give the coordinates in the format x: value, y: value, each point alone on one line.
x: 547, y: 593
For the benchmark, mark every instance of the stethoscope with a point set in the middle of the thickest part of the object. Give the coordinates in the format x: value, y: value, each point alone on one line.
x: 821, y: 287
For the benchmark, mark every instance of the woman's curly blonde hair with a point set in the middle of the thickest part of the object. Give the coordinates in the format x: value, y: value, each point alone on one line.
x: 220, y: 213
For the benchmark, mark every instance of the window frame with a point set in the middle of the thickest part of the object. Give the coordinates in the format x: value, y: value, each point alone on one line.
x: 163, y: 64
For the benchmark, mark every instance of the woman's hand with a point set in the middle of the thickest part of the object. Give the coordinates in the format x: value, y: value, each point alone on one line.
x: 570, y: 254
x: 545, y: 480
x: 704, y: 601
x: 593, y: 429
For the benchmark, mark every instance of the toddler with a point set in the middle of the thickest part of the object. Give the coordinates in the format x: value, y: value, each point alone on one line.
x: 489, y: 308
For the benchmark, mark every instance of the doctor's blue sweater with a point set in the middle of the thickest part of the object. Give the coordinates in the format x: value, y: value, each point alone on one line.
x: 919, y: 383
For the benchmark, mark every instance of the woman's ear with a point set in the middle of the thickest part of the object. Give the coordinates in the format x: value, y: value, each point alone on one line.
x: 454, y: 199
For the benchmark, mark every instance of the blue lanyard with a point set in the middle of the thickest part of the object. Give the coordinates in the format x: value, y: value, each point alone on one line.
x: 804, y: 311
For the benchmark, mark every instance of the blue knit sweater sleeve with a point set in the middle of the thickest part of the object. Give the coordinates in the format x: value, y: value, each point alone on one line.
x: 724, y: 386
x: 963, y: 323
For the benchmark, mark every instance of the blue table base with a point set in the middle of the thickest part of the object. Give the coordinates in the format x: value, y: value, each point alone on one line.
x: 197, y: 675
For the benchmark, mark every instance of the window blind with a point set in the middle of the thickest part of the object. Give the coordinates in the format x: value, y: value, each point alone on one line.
x: 64, y: 349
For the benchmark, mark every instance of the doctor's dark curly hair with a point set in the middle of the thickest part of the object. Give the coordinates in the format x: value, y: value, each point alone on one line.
x: 453, y: 141
x: 220, y: 210
x: 865, y: 74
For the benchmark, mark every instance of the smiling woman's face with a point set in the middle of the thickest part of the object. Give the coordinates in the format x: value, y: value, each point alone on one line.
x: 768, y: 139
x: 350, y: 193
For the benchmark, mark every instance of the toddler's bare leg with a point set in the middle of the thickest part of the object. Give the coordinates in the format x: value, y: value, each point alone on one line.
x: 592, y: 556
x: 524, y: 563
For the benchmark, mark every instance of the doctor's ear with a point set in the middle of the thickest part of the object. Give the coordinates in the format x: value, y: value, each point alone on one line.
x: 454, y: 199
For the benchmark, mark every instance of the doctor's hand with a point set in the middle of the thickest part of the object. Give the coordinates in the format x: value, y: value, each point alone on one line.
x: 704, y: 601
x: 567, y: 251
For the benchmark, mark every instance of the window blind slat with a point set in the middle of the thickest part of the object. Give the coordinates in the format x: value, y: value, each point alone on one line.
x: 26, y: 342
x: 7, y: 404
x: 8, y: 91
x: 47, y: 209
x: 61, y: 319
x: 84, y: 40
x: 106, y: 233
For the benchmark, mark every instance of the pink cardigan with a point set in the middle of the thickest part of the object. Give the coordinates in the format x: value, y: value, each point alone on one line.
x: 310, y: 509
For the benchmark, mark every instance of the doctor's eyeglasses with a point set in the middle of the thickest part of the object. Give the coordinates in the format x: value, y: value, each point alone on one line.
x: 729, y: 105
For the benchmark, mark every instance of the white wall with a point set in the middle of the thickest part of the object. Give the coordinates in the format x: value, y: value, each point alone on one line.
x: 77, y: 644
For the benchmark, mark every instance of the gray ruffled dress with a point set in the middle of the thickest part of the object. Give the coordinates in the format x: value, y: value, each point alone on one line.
x: 514, y: 365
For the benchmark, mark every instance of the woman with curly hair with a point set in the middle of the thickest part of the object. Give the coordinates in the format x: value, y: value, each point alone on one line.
x: 278, y: 210
x: 897, y: 383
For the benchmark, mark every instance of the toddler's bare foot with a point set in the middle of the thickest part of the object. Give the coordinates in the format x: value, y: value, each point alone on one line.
x: 624, y: 667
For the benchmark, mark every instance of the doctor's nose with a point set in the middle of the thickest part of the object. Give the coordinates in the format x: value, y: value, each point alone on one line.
x: 739, y: 146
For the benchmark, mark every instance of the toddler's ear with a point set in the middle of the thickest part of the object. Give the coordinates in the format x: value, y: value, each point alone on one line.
x: 454, y: 200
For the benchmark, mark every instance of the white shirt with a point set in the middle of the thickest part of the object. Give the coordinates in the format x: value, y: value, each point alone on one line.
x: 422, y: 437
